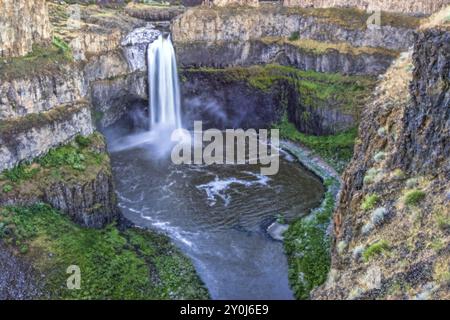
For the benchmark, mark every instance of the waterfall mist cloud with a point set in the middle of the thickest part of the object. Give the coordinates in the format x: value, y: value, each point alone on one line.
x: 208, y: 107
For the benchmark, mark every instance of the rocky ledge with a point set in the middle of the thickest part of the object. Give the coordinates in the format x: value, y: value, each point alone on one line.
x: 302, y: 54
x: 232, y: 97
x: 75, y: 178
x: 323, y: 40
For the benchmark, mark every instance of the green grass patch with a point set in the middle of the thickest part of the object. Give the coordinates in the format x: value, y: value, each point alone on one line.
x: 80, y: 160
x: 19, y: 173
x: 308, y: 249
x: 130, y: 264
x: 369, y: 202
x: 443, y: 220
x: 69, y: 155
x: 375, y: 249
x: 7, y: 188
x: 414, y: 197
x: 74, y: 155
x: 43, y: 59
x: 322, y: 47
x: 294, y: 36
x: 315, y: 89
x: 337, y: 150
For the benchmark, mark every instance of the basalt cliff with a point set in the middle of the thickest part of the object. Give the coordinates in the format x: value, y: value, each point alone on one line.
x: 326, y: 72
x: 391, y: 227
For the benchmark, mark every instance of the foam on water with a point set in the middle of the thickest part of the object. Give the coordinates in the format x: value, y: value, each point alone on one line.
x: 218, y: 187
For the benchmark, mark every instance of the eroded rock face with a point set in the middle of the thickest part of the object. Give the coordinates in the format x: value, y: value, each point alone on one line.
x: 153, y: 13
x: 403, y: 150
x: 223, y: 101
x: 224, y: 3
x: 305, y: 39
x: 119, y: 78
x: 89, y: 203
x: 109, y: 73
x: 91, y: 30
x: 111, y: 98
x: 52, y: 105
x: 26, y: 138
x: 23, y: 23
x: 427, y: 121
x: 87, y: 196
x: 244, y: 24
x: 409, y: 7
x: 18, y: 280
x: 135, y: 46
x: 41, y: 92
x: 228, y: 54
x: 224, y: 104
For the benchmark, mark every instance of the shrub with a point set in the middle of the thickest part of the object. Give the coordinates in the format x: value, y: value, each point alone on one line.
x: 381, y: 132
x: 281, y: 219
x: 357, y: 252
x: 413, y: 197
x: 63, y: 47
x: 443, y: 221
x: 367, y: 228
x: 370, y: 176
x: 398, y: 174
x: 7, y: 188
x: 294, y: 36
x: 412, y: 183
x: 83, y: 142
x: 378, y: 216
x: 20, y: 172
x: 341, y: 246
x: 375, y: 249
x: 441, y: 272
x: 380, y: 156
x: 369, y: 202
x: 66, y: 155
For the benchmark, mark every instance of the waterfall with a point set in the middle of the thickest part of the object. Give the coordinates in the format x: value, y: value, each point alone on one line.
x: 164, y: 90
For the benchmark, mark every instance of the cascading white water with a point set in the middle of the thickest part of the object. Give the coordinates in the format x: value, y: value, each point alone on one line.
x: 164, y: 90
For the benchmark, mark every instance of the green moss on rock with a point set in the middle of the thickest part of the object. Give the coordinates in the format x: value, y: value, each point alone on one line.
x: 307, y: 246
x: 375, y: 249
x: 337, y: 150
x: 114, y: 264
x: 315, y: 89
x: 42, y: 60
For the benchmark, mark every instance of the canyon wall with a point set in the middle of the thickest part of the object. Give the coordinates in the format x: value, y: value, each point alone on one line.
x: 224, y: 3
x: 244, y: 24
x: 322, y: 40
x: 54, y: 95
x: 51, y: 96
x: 299, y: 54
x: 408, y: 7
x: 391, y: 227
x: 23, y: 23
x: 232, y: 98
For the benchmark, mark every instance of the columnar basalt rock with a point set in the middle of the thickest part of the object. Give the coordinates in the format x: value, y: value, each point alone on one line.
x: 41, y: 92
x: 28, y: 137
x: 409, y: 7
x: 330, y: 60
x: 225, y: 3
x: 245, y: 24
x: 23, y: 23
x: 401, y: 161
